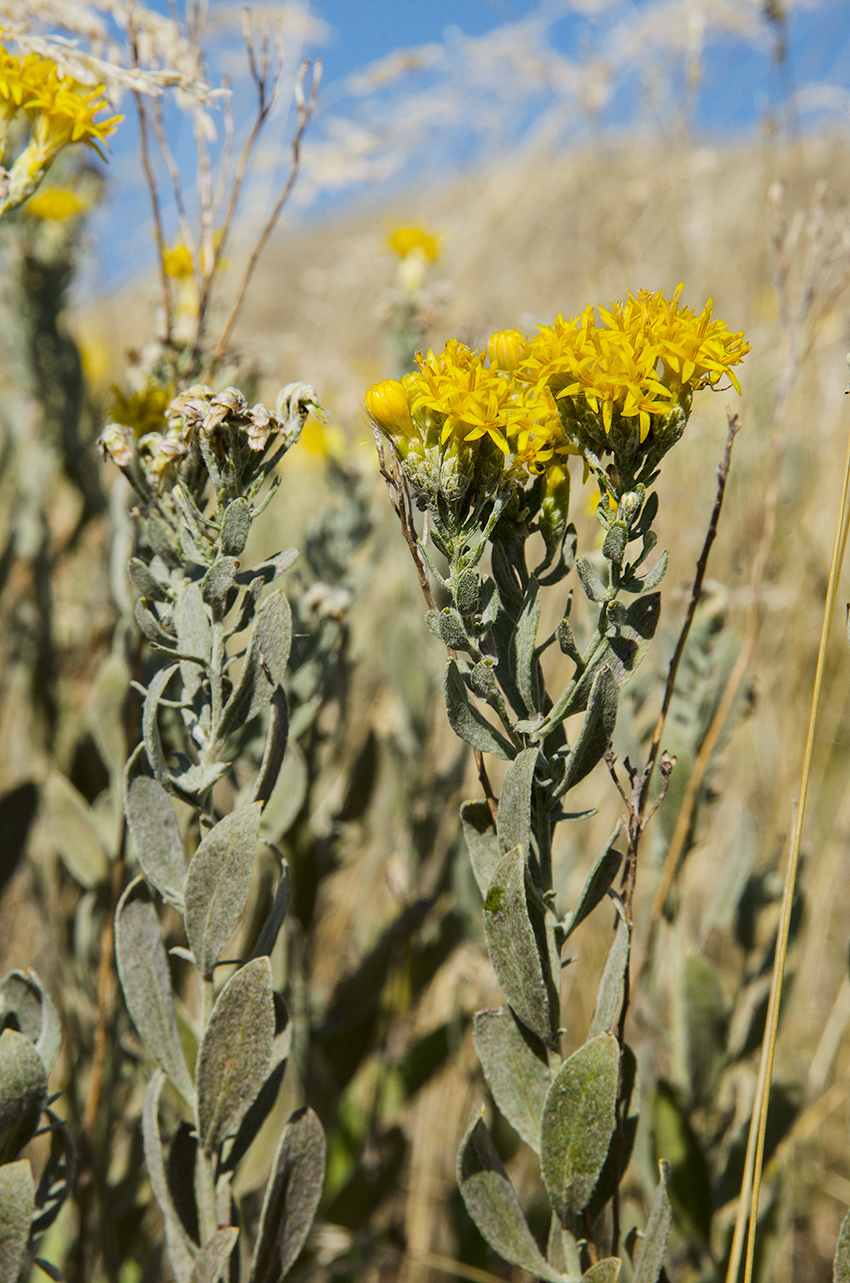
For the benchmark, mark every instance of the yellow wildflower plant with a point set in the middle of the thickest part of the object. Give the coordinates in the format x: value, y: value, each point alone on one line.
x: 409, y: 240
x: 60, y: 111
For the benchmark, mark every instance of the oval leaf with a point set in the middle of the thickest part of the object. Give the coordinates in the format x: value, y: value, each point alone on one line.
x: 154, y: 829
x: 74, y: 830
x: 516, y: 1069
x: 596, y: 730
x: 23, y: 1092
x: 146, y: 981
x: 514, y: 822
x: 479, y: 833
x: 24, y: 994
x: 292, y: 1196
x: 512, y: 945
x: 17, y: 1204
x: 235, y: 1055
x: 217, y: 884
x: 578, y: 1123
x: 465, y: 719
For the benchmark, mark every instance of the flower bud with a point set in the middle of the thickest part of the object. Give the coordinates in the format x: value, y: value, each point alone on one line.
x: 389, y: 407
x: 506, y: 349
x: 629, y: 507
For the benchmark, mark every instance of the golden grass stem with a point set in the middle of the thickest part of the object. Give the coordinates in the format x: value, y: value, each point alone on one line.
x: 748, y: 1209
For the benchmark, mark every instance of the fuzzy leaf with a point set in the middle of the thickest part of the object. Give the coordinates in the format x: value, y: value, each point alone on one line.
x: 23, y: 1092
x: 217, y: 584
x: 154, y: 829
x: 194, y: 636
x: 73, y: 828
x: 264, y: 666
x: 605, y: 1271
x: 24, y: 994
x: 146, y: 581
x: 217, y: 884
x: 150, y: 722
x: 593, y: 586
x: 465, y: 719
x: 211, y: 1261
x: 597, y: 884
x: 596, y: 730
x: 651, y: 1258
x: 493, y: 1205
x: 516, y: 1069
x: 235, y: 1055
x: 616, y: 1165
x: 841, y: 1265
x: 514, y: 816
x: 177, y: 1241
x: 626, y: 644
x: 513, y: 946
x: 146, y: 981
x: 578, y: 1123
x: 292, y: 1196
x: 610, y: 992
x: 235, y: 527
x: 17, y: 1204
x: 523, y: 645
x: 106, y: 712
x: 479, y: 833
x: 275, y: 750
x: 287, y: 796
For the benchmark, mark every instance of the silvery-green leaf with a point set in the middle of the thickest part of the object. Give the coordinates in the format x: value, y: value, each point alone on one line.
x: 516, y: 1069
x: 194, y: 636
x: 567, y: 642
x: 235, y: 527
x: 596, y: 730
x: 562, y: 1250
x: 150, y: 722
x: 292, y: 1196
x: 482, y: 843
x: 74, y: 830
x: 651, y: 1257
x: 275, y: 749
x: 625, y: 646
x: 465, y: 719
x: 604, y: 1271
x: 153, y: 827
x: 235, y: 1054
x: 146, y: 581
x: 597, y: 883
x: 523, y: 647
x: 150, y: 626
x: 468, y: 592
x: 448, y: 626
x: 264, y: 665
x: 23, y: 993
x: 23, y: 1092
x: 217, y: 583
x: 146, y: 981
x: 514, y: 816
x: 614, y: 546
x: 610, y: 993
x: 578, y: 1123
x: 617, y: 1163
x: 17, y: 1204
x: 493, y: 1205
x: 512, y: 944
x: 841, y: 1265
x: 287, y: 796
x: 217, y: 884
x: 106, y: 712
x: 271, y: 927
x: 593, y: 586
x: 180, y: 1253
x: 211, y: 1261
x: 271, y: 569
x: 266, y: 1099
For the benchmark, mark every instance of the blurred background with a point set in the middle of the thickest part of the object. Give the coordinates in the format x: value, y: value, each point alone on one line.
x: 559, y: 154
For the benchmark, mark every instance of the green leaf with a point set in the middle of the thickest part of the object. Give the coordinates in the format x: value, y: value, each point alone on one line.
x: 479, y: 833
x: 179, y: 1248
x: 523, y: 644
x: 493, y: 1205
x: 841, y: 1265
x: 194, y: 636
x: 562, y: 1250
x: 150, y: 722
x: 235, y: 527
x: 599, y: 881
x: 153, y: 827
x: 516, y: 1069
x: 292, y: 1196
x: 512, y: 943
x: 264, y: 666
x: 287, y: 796
x: 146, y: 981
x: 689, y: 1180
x: 628, y: 639
x: 465, y: 719
x: 449, y: 627
x: 700, y: 1032
x: 23, y: 994
x: 578, y: 1123
x: 72, y: 825
x: 610, y: 992
x: 514, y: 816
x: 217, y: 584
x: 146, y: 581
x: 595, y: 734
x: 23, y: 1092
x: 605, y: 1271
x: 615, y: 542
x: 593, y: 586
x: 235, y: 1055
x: 275, y: 749
x: 106, y: 712
x: 217, y: 884
x: 211, y: 1261
x: 651, y: 1258
x: 17, y: 1204
x: 617, y: 1164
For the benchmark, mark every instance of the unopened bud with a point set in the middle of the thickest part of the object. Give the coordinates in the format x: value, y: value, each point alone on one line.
x: 389, y: 407
x: 506, y: 349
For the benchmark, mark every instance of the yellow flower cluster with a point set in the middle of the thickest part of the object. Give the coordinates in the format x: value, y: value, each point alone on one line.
x: 60, y: 110
x: 56, y: 204
x: 457, y: 399
x: 646, y: 357
x: 407, y: 240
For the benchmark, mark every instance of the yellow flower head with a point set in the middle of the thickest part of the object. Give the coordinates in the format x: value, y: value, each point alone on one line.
x: 389, y: 407
x: 62, y: 110
x: 406, y: 240
x: 56, y: 204
x: 178, y: 263
x: 144, y: 411
x: 507, y: 348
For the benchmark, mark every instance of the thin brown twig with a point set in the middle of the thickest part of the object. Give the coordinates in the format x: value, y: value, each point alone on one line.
x: 305, y: 108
